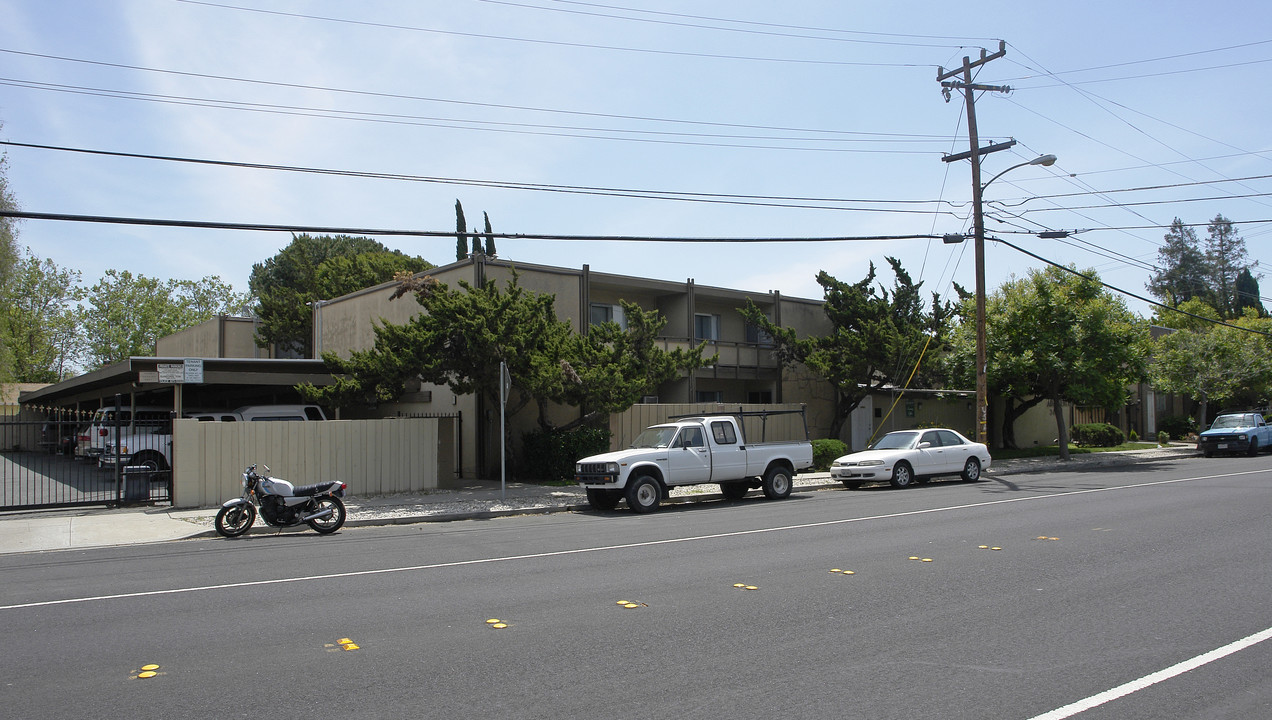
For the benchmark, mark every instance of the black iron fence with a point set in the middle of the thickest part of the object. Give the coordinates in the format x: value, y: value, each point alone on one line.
x: 53, y: 463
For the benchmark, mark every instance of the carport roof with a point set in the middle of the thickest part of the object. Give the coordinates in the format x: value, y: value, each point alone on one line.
x: 125, y: 377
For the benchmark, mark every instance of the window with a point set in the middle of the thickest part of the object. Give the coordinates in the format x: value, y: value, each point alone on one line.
x: 692, y: 437
x: 949, y: 439
x: 931, y: 437
x: 723, y: 433
x: 708, y: 396
x: 602, y: 313
x: 759, y: 397
x: 706, y: 327
x: 757, y: 336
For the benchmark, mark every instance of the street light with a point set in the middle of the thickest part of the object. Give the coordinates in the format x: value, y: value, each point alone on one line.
x: 982, y: 384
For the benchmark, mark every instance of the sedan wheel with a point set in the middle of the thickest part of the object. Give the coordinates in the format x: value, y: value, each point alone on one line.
x: 971, y: 470
x: 902, y: 475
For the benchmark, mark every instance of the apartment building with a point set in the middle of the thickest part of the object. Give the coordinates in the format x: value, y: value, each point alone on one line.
x: 745, y: 372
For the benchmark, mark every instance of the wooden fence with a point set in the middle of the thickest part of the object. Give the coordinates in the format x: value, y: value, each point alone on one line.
x: 375, y: 457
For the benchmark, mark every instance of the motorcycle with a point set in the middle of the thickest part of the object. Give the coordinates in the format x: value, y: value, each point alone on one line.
x: 282, y: 505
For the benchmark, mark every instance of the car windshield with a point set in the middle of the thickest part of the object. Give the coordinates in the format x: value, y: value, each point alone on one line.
x: 655, y: 437
x: 895, y: 441
x: 1233, y: 421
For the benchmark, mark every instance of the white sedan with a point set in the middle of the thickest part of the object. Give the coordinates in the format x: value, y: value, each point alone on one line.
x: 906, y: 456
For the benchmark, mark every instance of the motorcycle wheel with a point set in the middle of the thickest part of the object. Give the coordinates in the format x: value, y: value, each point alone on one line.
x: 235, y: 520
x: 332, y: 522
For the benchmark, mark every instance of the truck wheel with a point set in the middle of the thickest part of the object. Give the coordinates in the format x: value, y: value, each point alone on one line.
x: 902, y: 475
x: 777, y: 483
x: 152, y: 461
x: 1254, y: 447
x: 643, y: 494
x: 603, y: 500
x: 734, y: 490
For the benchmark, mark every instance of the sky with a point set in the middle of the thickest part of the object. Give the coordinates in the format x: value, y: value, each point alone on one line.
x: 707, y: 119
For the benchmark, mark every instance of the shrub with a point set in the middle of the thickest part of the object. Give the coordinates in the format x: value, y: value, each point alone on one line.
x: 1163, y: 437
x: 825, y: 451
x: 551, y: 454
x: 1133, y: 436
x: 1096, y: 435
x: 1177, y: 427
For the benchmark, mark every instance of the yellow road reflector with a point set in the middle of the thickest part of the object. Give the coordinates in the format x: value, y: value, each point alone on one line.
x: 914, y: 557
x: 350, y: 646
x: 983, y: 547
x: 751, y: 587
x: 148, y: 668
x: 499, y: 626
x: 343, y: 641
x: 739, y: 585
x: 629, y: 606
x: 995, y: 548
x: 927, y: 559
x: 147, y: 674
x: 492, y: 621
x: 849, y: 572
x: 1042, y: 537
x: 1053, y: 538
x: 623, y: 602
x: 835, y: 570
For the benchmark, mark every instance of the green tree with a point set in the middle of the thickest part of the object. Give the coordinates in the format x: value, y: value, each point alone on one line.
x: 876, y: 339
x: 1247, y: 294
x: 8, y: 260
x: 490, y: 236
x: 1216, y: 363
x: 125, y: 315
x: 1054, y: 335
x: 610, y: 368
x: 39, y: 316
x: 1227, y: 255
x: 314, y: 268
x: 461, y: 233
x: 1185, y: 270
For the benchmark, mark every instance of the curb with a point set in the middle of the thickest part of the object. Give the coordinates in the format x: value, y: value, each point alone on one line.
x: 1093, y: 461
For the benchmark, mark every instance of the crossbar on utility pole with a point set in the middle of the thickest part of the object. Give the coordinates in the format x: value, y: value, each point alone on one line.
x: 978, y: 219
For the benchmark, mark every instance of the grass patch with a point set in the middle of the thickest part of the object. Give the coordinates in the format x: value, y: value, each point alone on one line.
x: 1054, y: 450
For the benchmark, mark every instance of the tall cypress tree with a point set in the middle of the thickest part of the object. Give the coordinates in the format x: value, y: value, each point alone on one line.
x: 461, y: 237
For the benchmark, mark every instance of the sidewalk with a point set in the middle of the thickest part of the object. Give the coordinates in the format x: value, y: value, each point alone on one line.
x: 85, y: 528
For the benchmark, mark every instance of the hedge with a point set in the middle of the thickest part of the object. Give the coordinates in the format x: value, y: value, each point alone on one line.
x: 551, y: 454
x: 1097, y: 435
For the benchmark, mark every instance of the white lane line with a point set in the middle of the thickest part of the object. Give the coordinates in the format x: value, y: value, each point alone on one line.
x: 605, y: 548
x: 1136, y: 685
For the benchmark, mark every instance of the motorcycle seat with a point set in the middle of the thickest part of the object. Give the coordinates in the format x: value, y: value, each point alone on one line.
x: 311, y: 490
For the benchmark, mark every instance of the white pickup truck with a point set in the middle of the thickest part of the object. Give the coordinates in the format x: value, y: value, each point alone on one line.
x: 692, y: 451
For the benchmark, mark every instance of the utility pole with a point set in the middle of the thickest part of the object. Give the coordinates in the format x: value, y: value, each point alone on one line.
x: 969, y: 89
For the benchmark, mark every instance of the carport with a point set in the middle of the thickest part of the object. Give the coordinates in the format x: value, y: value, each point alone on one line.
x: 39, y: 469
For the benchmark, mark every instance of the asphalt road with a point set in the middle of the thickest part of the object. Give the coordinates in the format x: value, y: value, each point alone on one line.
x: 1103, y: 579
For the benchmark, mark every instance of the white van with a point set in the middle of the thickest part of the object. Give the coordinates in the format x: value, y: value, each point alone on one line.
x: 214, y: 416
x: 258, y: 413
x: 101, y: 430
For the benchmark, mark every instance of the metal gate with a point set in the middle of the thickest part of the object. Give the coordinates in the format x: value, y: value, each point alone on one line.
x: 43, y: 464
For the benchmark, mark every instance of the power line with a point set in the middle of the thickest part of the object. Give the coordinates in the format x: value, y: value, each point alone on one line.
x: 1128, y: 293
x: 449, y: 101
x: 1055, y: 74
x: 328, y: 230
x: 556, y: 43
x: 656, y: 136
x: 811, y: 203
x: 770, y: 33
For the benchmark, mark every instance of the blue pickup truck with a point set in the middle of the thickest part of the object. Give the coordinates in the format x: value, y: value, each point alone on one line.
x: 1244, y: 432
